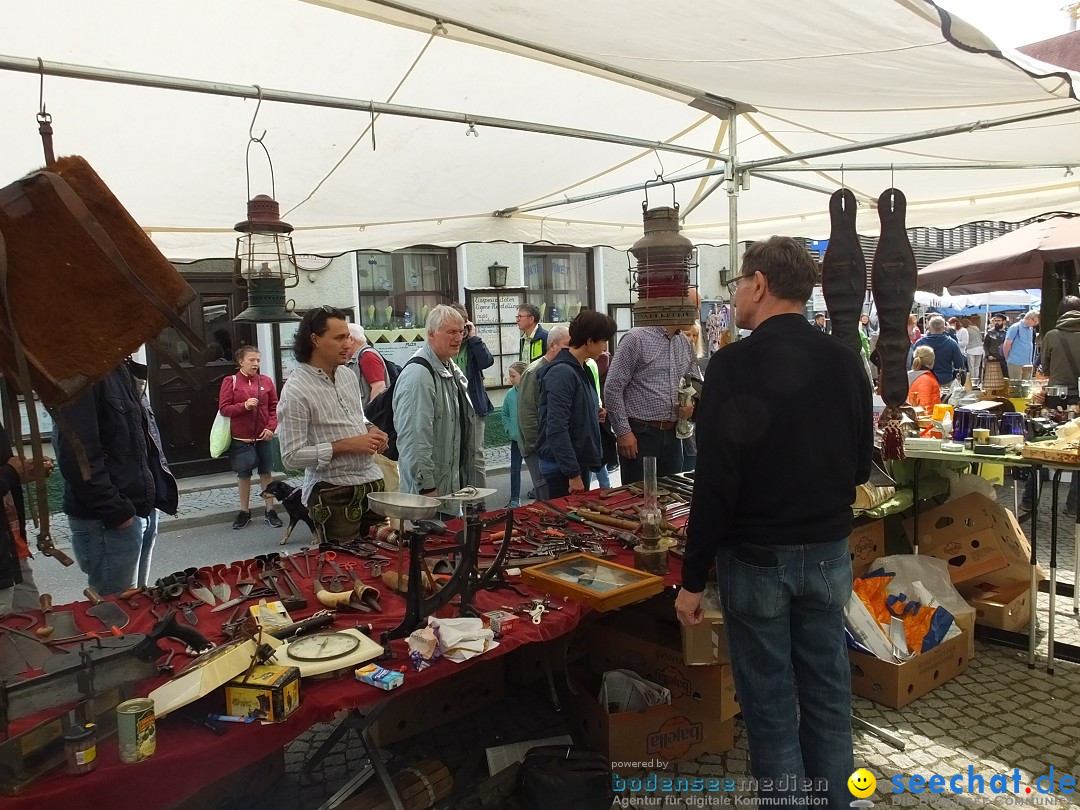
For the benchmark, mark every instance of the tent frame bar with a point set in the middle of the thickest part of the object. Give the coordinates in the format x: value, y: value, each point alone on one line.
x: 98, y: 74
x: 918, y: 167
x: 892, y: 140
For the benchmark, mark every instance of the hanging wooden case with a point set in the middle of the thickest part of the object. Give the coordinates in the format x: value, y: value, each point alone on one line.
x: 85, y: 285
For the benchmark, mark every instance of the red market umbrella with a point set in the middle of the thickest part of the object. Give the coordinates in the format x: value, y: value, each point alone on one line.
x: 1012, y: 261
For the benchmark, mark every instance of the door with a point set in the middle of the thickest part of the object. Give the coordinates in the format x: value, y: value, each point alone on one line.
x: 185, y: 414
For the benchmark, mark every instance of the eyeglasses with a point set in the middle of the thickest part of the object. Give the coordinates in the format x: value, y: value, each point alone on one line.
x: 734, y: 285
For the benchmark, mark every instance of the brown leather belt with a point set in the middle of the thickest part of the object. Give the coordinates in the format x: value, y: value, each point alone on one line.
x: 653, y: 423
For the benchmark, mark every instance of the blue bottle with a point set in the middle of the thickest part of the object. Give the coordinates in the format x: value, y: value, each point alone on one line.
x: 408, y: 318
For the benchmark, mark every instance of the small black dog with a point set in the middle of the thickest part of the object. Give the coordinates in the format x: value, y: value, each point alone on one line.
x: 289, y: 497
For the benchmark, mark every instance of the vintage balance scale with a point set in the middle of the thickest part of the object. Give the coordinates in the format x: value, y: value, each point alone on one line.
x: 404, y: 506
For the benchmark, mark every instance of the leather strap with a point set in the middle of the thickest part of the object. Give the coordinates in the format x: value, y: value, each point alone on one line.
x: 44, y: 541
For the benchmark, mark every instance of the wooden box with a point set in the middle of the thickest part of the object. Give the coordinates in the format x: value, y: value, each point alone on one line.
x: 595, y: 583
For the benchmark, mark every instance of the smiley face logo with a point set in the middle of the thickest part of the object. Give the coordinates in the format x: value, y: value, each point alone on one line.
x: 861, y: 783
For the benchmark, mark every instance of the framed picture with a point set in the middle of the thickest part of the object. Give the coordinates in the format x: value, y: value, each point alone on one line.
x: 596, y: 583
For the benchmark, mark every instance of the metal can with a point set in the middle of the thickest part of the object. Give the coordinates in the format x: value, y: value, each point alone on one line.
x: 135, y: 730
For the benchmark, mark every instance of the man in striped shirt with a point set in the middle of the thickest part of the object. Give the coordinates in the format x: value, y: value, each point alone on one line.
x: 322, y: 429
x: 642, y: 398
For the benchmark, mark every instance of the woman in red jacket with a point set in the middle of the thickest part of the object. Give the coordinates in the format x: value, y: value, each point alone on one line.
x: 249, y: 399
x: 924, y: 389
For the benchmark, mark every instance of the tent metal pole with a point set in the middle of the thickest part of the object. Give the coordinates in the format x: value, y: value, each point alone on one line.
x: 596, y: 195
x: 787, y: 181
x: 900, y: 167
x: 97, y: 74
x: 908, y: 138
x: 733, y: 219
x: 704, y: 196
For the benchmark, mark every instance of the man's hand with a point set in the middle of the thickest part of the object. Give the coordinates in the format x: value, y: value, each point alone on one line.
x: 576, y: 485
x: 364, y: 445
x: 603, y: 415
x: 266, y: 435
x: 251, y: 404
x: 688, y: 608
x: 627, y: 444
x: 686, y: 411
x: 384, y: 440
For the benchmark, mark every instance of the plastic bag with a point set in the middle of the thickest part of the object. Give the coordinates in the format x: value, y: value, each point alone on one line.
x: 462, y: 639
x: 626, y: 691
x: 961, y: 484
x: 220, y: 435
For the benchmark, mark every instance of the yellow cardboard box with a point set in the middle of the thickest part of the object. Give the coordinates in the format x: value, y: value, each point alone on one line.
x: 270, y: 692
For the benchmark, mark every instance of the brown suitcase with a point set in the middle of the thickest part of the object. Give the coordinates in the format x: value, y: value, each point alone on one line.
x: 85, y: 286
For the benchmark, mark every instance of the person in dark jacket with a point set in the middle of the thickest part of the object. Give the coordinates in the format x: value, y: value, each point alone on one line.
x: 18, y: 592
x: 568, y: 441
x: 781, y: 552
x: 113, y: 512
x: 948, y: 356
x: 472, y: 358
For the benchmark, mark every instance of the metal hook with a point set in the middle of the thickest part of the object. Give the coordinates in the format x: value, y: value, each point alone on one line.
x: 843, y: 186
x: 472, y: 130
x: 251, y: 128
x: 372, y: 110
x: 439, y: 28
x: 259, y: 140
x: 42, y: 115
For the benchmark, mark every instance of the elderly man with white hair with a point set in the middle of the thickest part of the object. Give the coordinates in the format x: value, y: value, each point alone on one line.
x: 368, y: 365
x: 1019, y: 346
x: 948, y: 356
x: 433, y: 414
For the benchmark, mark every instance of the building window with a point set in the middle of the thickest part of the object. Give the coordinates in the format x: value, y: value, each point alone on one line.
x: 559, y: 281
x: 397, y: 290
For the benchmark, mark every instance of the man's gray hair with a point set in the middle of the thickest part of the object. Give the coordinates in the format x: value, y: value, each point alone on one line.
x: 936, y: 325
x: 440, y: 315
x: 357, y: 332
x: 559, y: 334
x: 1032, y: 315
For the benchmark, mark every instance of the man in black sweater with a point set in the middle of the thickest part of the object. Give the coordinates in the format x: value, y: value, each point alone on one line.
x: 785, y: 432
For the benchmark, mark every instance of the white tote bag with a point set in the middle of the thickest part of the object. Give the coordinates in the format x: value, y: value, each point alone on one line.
x: 221, y: 432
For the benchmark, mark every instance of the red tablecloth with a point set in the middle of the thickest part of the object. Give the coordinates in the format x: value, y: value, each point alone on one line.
x: 189, y: 757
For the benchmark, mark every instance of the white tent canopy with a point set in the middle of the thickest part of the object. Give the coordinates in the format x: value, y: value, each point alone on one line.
x: 814, y: 75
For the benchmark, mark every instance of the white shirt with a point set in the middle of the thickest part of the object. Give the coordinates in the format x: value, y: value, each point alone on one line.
x: 313, y: 412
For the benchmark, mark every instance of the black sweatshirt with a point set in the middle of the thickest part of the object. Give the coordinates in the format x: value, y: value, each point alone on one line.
x: 784, y: 433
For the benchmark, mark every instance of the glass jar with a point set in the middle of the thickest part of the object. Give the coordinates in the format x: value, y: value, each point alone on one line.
x: 80, y: 749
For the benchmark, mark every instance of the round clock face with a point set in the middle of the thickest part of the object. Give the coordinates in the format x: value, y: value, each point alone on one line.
x: 322, y: 647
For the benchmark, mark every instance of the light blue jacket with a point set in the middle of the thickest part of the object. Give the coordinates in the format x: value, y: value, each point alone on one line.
x: 434, y: 423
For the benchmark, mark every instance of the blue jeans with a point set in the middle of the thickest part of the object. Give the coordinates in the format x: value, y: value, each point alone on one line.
x: 785, y: 630
x: 114, y: 559
x: 603, y: 479
x: 515, y: 471
x: 664, y: 444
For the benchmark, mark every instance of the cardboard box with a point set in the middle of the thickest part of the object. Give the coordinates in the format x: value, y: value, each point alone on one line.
x: 272, y: 692
x: 977, y: 538
x: 867, y: 543
x: 459, y: 694
x: 655, y: 737
x: 650, y: 650
x: 705, y: 644
x: 1005, y: 607
x: 897, y: 685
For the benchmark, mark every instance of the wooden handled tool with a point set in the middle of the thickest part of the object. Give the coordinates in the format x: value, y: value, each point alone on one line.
x: 46, y: 630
